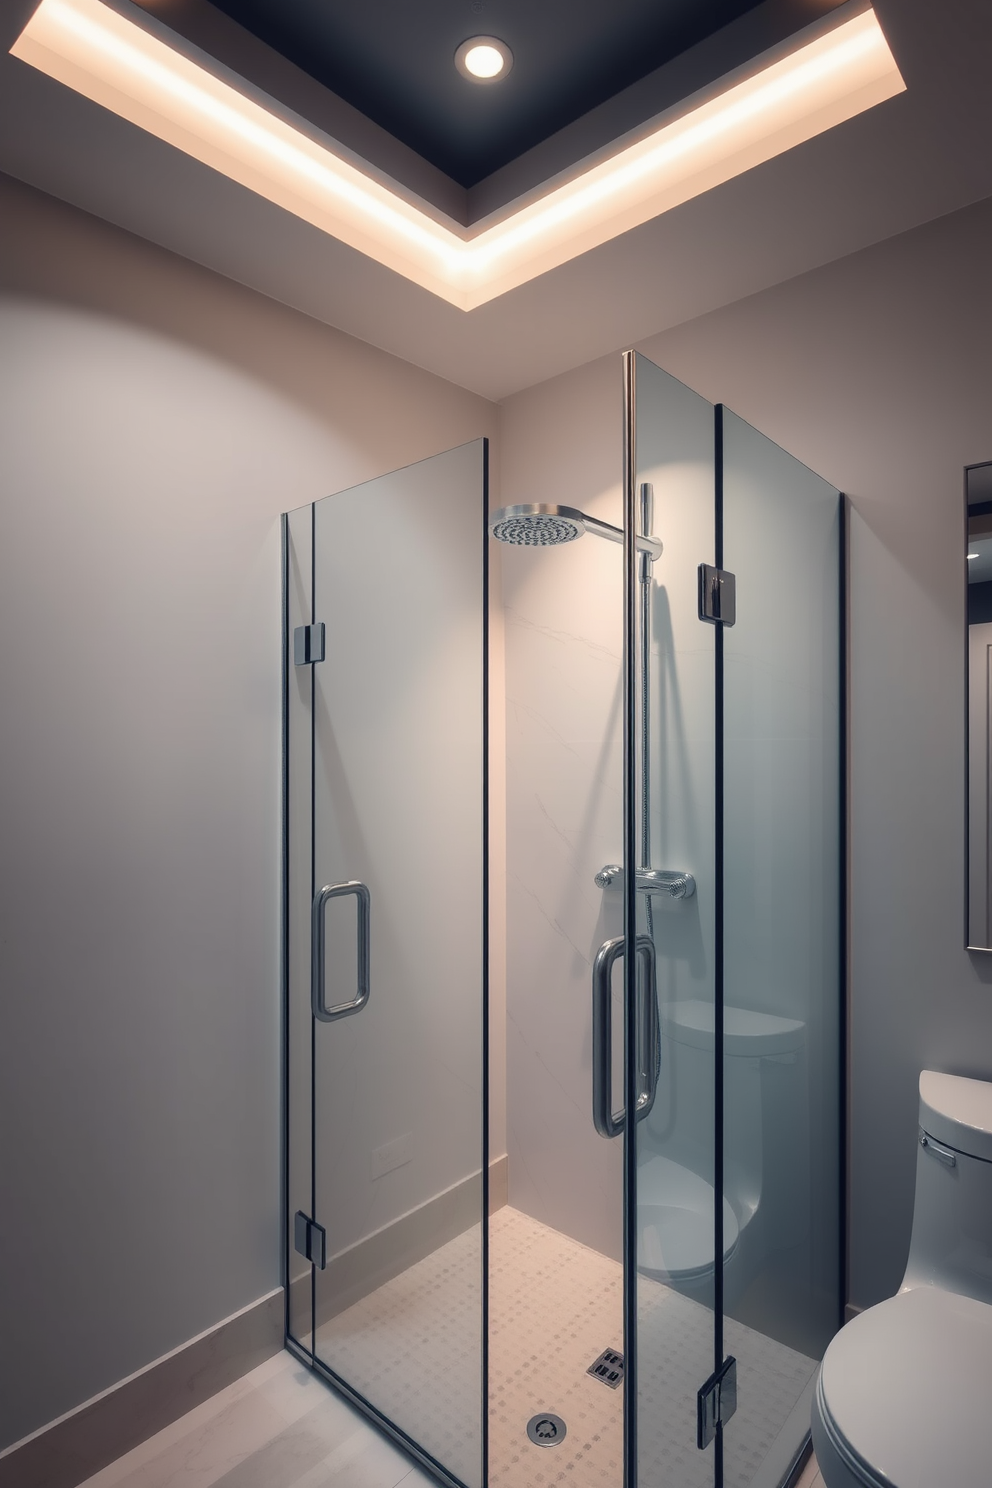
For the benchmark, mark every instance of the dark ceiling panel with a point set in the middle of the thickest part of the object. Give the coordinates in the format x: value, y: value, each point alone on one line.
x: 394, y: 60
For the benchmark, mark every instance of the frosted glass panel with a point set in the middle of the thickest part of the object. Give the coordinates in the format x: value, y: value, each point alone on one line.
x: 782, y: 937
x: 737, y: 781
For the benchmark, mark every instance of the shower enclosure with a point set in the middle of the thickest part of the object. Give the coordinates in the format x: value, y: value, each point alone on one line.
x: 638, y: 1290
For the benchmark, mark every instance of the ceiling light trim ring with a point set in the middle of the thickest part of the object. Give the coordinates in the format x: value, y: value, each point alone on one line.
x: 463, y: 59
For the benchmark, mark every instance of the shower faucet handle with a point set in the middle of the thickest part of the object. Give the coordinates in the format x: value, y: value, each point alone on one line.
x: 667, y: 882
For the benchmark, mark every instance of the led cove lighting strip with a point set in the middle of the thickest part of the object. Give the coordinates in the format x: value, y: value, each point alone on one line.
x: 117, y: 63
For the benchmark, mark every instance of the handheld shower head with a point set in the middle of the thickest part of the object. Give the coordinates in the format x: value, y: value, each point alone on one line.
x: 544, y: 526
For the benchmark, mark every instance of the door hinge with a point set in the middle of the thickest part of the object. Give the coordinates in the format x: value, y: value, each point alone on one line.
x: 308, y: 644
x: 717, y: 595
x: 716, y: 1402
x: 310, y: 1239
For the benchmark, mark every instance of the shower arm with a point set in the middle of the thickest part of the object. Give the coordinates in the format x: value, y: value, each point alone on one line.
x: 648, y: 545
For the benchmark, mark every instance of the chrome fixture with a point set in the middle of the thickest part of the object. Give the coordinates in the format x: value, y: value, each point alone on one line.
x: 544, y: 526
x: 606, y: 1121
x: 608, y: 1368
x: 317, y: 956
x: 946, y: 1155
x: 546, y: 1430
x: 664, y: 881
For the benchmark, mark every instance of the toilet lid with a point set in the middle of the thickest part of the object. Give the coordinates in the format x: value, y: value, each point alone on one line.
x: 745, y: 1032
x: 675, y: 1221
x: 905, y: 1386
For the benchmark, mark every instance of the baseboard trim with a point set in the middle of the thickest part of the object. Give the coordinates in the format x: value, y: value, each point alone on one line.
x: 376, y: 1259
x: 851, y: 1310
x: 386, y: 1253
x: 499, y: 1183
x: 71, y: 1449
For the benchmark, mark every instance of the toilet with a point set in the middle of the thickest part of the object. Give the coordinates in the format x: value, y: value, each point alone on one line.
x: 904, y: 1393
x: 763, y: 1087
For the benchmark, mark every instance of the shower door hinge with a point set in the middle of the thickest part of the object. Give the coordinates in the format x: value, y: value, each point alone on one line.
x: 716, y: 1402
x: 310, y: 1239
x: 717, y: 595
x: 308, y: 644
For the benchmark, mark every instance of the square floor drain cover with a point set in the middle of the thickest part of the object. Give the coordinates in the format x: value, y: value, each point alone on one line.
x: 608, y: 1368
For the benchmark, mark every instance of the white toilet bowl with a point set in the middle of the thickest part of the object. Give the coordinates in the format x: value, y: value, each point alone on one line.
x: 904, y: 1393
x: 675, y: 1225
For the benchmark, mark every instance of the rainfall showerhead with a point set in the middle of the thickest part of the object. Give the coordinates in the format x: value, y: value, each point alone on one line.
x: 544, y: 526
x: 537, y: 526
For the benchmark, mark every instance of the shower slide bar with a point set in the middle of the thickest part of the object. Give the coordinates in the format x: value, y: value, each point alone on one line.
x: 608, y: 1122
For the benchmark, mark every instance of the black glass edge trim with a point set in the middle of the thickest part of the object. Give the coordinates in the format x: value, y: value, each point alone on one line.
x: 799, y: 1462
x: 395, y: 1433
x: 313, y: 891
x: 298, y: 1350
x: 485, y: 961
x: 718, y: 939
x: 286, y: 1250
x: 630, y: 920
x: 844, y: 932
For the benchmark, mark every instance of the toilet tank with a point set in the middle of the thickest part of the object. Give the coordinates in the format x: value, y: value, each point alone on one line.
x: 951, y: 1245
x: 763, y: 1097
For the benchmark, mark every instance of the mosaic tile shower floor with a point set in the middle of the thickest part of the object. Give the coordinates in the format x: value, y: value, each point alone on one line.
x: 554, y: 1307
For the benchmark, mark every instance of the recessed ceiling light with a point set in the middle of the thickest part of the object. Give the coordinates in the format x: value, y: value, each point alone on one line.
x: 129, y: 62
x: 483, y: 59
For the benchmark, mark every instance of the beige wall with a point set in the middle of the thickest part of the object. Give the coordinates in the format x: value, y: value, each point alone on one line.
x: 156, y: 419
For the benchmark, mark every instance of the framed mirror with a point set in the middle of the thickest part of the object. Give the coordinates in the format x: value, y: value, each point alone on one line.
x: 978, y: 563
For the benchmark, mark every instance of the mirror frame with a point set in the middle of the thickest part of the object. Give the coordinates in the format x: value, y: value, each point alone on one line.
x: 977, y: 494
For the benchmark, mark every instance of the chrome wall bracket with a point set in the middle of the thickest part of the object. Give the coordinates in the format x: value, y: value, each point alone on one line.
x: 310, y: 1239
x: 308, y: 644
x: 716, y: 1401
x: 717, y: 595
x: 667, y: 882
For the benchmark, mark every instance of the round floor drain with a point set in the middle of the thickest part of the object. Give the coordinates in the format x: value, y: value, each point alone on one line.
x: 546, y: 1430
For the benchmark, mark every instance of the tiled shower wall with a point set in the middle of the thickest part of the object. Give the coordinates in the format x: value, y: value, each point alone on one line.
x: 561, y: 442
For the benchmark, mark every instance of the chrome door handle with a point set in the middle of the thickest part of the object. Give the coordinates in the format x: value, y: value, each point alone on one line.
x: 318, y: 951
x: 608, y: 1122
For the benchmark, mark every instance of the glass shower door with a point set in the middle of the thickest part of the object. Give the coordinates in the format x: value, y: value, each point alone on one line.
x: 396, y: 912
x: 672, y: 1149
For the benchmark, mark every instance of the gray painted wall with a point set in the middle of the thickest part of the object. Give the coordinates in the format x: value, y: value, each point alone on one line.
x: 875, y: 372
x: 154, y: 421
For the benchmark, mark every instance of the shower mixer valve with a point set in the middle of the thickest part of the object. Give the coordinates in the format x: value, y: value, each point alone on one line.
x: 664, y: 881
